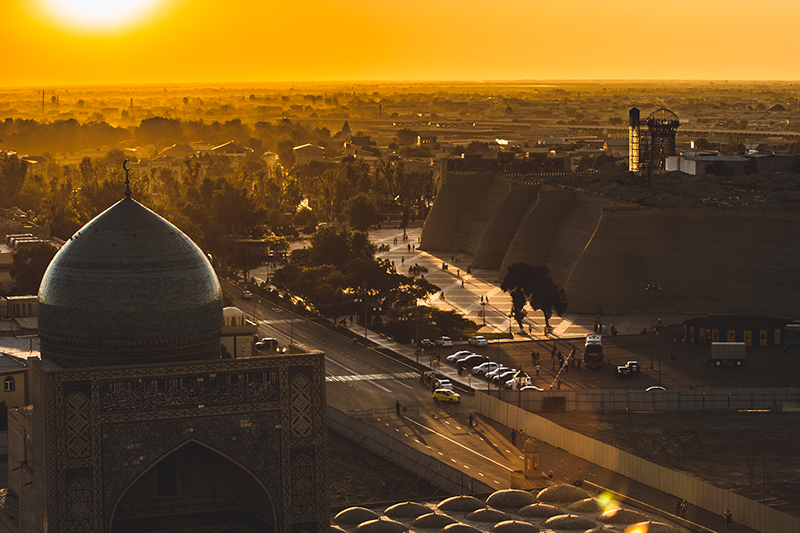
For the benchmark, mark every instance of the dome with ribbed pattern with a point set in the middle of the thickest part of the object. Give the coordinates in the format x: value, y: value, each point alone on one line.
x: 129, y: 288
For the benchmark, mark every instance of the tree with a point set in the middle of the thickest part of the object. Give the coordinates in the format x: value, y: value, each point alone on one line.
x: 536, y: 286
x: 28, y: 266
x: 362, y: 212
x: 12, y: 174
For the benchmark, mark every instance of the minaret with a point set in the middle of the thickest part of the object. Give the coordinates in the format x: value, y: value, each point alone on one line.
x: 633, y: 140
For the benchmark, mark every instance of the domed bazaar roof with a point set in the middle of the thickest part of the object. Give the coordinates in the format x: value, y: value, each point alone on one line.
x: 129, y: 288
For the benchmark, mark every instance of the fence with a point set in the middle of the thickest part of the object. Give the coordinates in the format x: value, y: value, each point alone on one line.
x: 700, y: 493
x: 628, y: 400
x: 434, y: 471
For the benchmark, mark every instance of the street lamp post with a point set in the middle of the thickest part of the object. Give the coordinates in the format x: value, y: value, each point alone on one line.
x: 653, y: 289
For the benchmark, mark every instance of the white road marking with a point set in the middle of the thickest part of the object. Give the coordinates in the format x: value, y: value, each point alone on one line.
x: 458, y: 444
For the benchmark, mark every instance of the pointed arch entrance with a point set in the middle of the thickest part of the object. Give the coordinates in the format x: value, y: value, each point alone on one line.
x: 194, y: 489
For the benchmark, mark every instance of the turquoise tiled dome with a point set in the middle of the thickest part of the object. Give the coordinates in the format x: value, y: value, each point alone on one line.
x: 129, y: 288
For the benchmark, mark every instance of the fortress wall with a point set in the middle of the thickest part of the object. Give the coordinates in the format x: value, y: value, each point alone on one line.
x: 706, y: 261
x: 450, y: 219
x: 500, y: 230
x: 487, y: 209
x: 534, y: 236
x: 573, y: 234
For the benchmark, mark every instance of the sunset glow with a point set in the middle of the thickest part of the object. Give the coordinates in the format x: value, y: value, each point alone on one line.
x: 98, y: 15
x: 70, y: 42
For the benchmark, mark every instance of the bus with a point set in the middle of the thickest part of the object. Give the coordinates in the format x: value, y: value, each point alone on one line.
x: 593, y: 351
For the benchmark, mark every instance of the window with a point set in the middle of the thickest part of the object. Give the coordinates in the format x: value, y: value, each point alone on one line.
x: 9, y: 384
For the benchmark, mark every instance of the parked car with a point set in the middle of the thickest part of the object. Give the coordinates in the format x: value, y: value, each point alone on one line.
x: 452, y: 358
x: 478, y: 340
x: 247, y: 295
x: 471, y: 360
x: 426, y: 343
x: 443, y: 384
x: 483, y: 368
x: 444, y: 341
x: 446, y: 395
x: 504, y: 376
x: 493, y: 373
x: 631, y: 368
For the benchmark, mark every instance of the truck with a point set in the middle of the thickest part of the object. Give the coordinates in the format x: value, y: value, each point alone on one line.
x: 593, y: 351
x: 733, y: 352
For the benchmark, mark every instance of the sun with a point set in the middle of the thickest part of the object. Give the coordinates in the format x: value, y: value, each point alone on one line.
x: 99, y: 15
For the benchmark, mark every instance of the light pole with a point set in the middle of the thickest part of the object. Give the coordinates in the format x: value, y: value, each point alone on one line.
x: 653, y: 289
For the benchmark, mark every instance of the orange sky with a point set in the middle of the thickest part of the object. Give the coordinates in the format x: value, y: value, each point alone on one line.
x: 330, y: 40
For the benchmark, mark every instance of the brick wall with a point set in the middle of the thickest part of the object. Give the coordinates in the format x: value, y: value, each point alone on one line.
x: 451, y: 217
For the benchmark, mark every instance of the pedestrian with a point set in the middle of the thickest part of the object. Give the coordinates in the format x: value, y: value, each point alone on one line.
x: 691, y: 386
x: 559, y: 383
x: 537, y: 370
x: 469, y: 270
x: 471, y: 421
x: 462, y: 283
x: 727, y: 516
x: 530, y: 329
x: 458, y: 273
x: 678, y: 508
x: 513, y: 437
x: 408, y: 247
x: 397, y: 407
x: 683, y: 508
x: 402, y: 260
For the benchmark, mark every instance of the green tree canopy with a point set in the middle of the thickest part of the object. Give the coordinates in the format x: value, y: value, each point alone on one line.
x: 362, y: 212
x: 533, y: 284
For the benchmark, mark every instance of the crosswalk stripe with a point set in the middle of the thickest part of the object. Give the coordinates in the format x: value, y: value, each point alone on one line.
x: 372, y: 377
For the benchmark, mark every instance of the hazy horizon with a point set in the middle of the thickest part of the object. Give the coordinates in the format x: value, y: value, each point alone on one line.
x: 142, y: 42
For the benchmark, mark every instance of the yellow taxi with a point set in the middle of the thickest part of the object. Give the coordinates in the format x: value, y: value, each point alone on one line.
x: 446, y: 395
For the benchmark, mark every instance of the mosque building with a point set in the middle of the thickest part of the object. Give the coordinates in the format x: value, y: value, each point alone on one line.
x: 136, y: 422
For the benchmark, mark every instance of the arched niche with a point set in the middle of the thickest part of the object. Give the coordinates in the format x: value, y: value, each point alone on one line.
x: 194, y: 488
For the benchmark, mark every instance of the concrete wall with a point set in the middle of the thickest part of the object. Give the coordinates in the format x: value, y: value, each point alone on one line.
x: 427, y: 467
x: 630, y: 400
x: 700, y: 493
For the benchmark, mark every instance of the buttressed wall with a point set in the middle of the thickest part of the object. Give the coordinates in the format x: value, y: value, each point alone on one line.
x: 605, y: 252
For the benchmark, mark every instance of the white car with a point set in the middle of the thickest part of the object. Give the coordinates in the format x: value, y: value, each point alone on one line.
x: 458, y: 355
x: 500, y: 369
x: 444, y: 341
x: 483, y: 368
x: 478, y: 340
x: 443, y: 384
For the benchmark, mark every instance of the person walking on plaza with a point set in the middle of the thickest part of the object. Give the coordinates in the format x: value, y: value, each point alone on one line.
x: 683, y: 509
x: 513, y: 437
x: 471, y: 421
x: 397, y: 407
